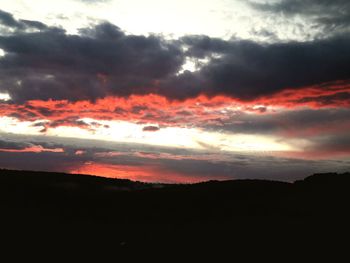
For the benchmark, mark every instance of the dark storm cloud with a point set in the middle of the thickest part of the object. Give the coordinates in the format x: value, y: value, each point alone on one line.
x: 150, y: 128
x: 313, y: 122
x: 102, y: 60
x: 247, y: 69
x: 8, y: 144
x: 333, y: 14
x: 7, y: 19
x: 331, y: 143
x: 13, y: 145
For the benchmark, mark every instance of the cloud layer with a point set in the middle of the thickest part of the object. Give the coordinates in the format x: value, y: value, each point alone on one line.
x: 43, y: 62
x: 212, y: 92
x: 145, y: 163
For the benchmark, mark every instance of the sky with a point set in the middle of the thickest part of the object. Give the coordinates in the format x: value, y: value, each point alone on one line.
x: 176, y: 91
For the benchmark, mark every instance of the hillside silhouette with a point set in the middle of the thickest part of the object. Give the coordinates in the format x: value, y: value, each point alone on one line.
x: 136, y: 214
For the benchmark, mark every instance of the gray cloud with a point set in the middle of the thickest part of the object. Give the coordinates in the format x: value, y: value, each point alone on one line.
x: 7, y: 19
x: 295, y: 123
x: 329, y: 15
x: 180, y: 163
x: 102, y: 60
x: 13, y: 145
x: 339, y: 143
x: 247, y: 69
x: 151, y: 128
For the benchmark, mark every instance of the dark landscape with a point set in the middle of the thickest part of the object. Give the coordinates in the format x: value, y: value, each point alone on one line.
x: 162, y: 129
x: 247, y: 213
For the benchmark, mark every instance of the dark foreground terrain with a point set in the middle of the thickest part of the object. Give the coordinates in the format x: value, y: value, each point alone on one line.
x: 54, y: 211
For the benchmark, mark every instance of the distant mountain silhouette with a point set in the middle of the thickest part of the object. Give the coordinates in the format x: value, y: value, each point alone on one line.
x: 198, y: 215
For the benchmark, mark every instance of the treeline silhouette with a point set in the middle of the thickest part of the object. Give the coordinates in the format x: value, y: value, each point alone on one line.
x: 136, y: 214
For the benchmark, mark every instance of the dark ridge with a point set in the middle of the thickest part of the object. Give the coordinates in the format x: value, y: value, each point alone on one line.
x: 214, y: 214
x: 80, y: 180
x: 57, y: 195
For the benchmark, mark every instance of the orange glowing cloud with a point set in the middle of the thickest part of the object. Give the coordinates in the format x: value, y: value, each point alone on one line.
x: 158, y: 110
x: 144, y: 173
x: 334, y: 94
x: 34, y: 149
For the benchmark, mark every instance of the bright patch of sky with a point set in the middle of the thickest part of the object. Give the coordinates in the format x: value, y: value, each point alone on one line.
x: 4, y: 97
x: 216, y: 18
x: 122, y: 131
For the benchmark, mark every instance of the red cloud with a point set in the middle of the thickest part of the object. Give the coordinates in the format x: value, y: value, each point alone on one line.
x: 146, y: 109
x: 34, y: 149
x: 335, y: 94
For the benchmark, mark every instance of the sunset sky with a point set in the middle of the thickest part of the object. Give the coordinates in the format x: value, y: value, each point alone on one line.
x: 175, y: 91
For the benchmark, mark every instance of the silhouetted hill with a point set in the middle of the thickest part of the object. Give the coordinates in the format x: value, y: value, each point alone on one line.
x: 142, y: 214
x: 66, y: 197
